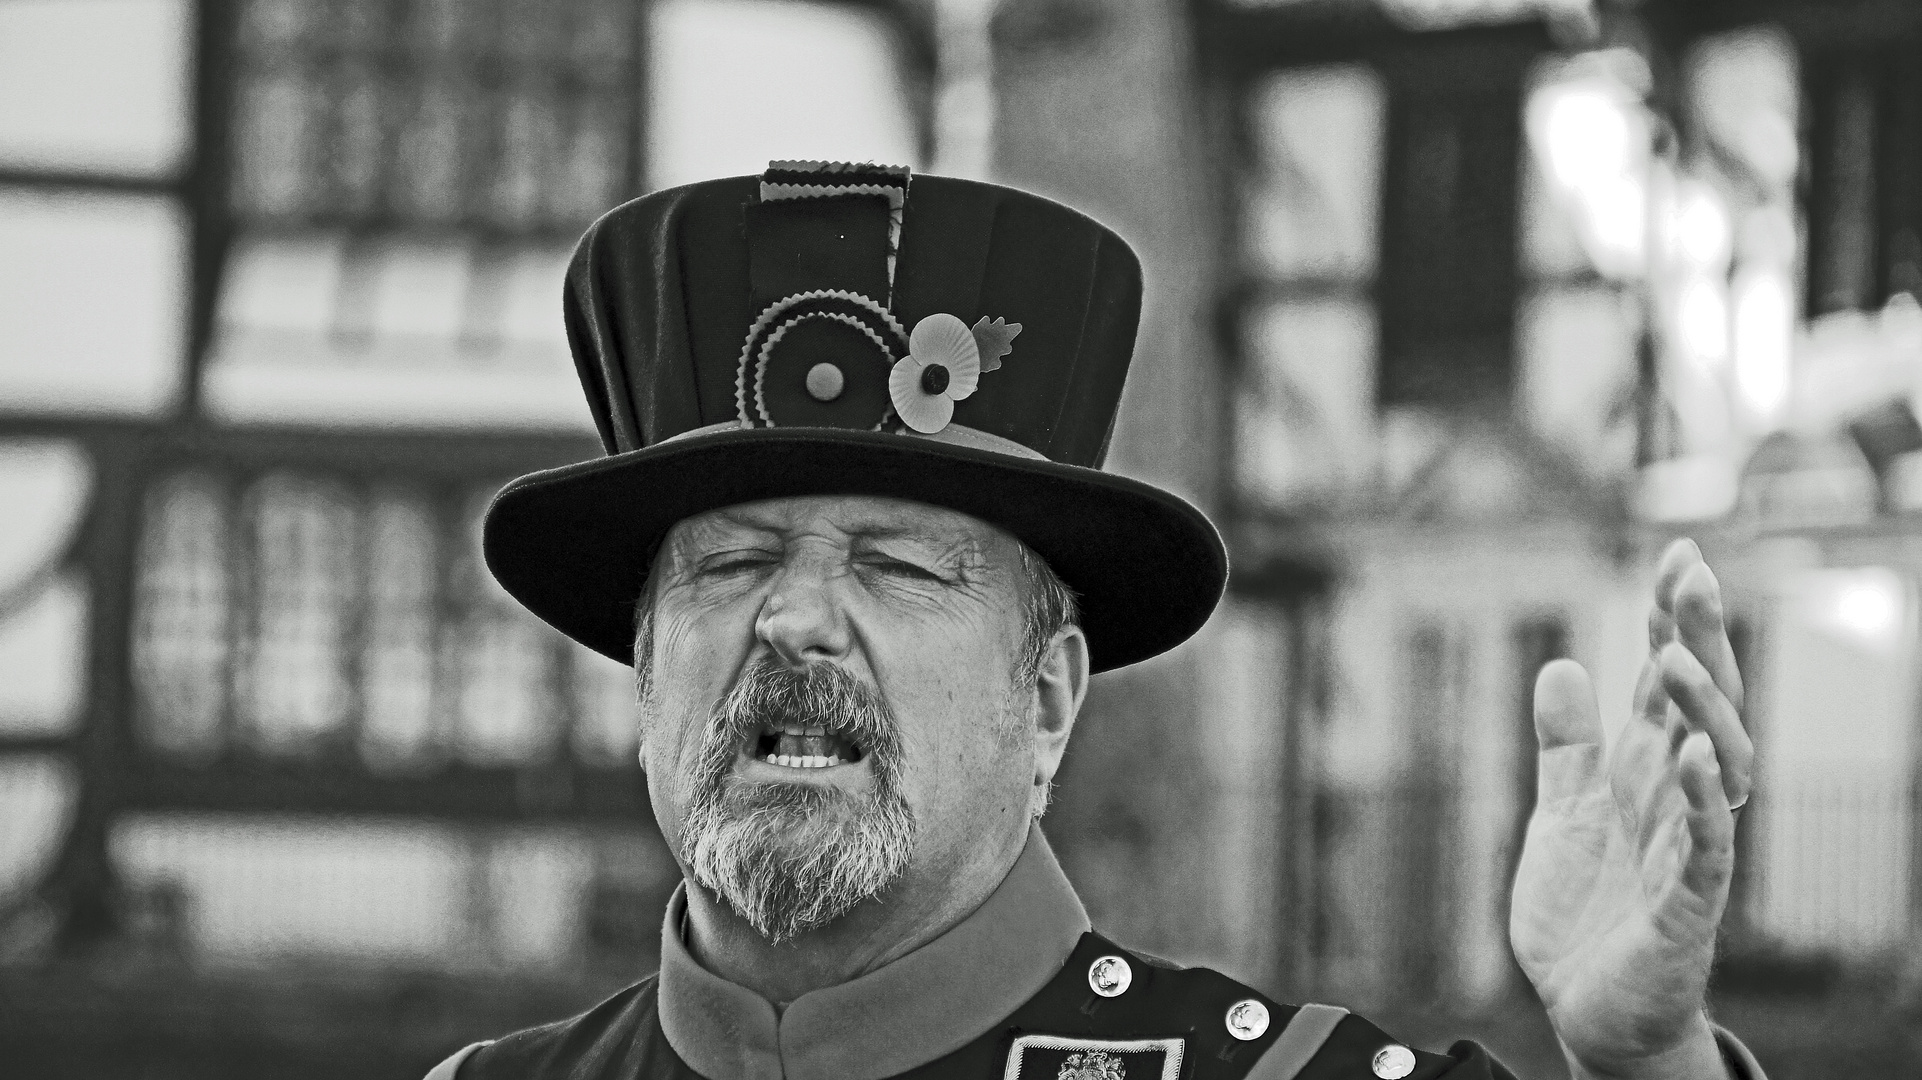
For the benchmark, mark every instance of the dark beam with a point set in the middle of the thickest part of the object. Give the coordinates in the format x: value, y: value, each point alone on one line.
x: 464, y: 793
x: 55, y: 743
x: 85, y: 181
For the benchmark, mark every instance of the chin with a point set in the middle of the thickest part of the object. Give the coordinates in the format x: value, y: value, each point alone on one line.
x: 792, y: 857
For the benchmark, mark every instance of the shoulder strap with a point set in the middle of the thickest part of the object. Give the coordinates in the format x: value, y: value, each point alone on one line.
x: 1298, y: 1043
x: 450, y: 1069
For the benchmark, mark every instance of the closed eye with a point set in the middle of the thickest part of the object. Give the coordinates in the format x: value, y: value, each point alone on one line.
x: 903, y: 568
x: 736, y: 562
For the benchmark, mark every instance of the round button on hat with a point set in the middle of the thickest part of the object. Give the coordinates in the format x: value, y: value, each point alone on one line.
x: 1394, y: 1061
x: 825, y: 381
x: 1247, y: 1019
x: 1110, y: 976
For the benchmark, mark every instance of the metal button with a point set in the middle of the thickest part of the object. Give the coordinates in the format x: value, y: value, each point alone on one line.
x: 825, y: 381
x: 1247, y: 1019
x: 1110, y: 976
x: 1394, y: 1061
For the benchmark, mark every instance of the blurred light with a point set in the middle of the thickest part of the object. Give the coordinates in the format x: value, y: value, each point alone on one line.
x: 1869, y: 606
x: 1590, y: 131
x: 1764, y: 334
x: 1702, y: 232
x: 1443, y: 14
x: 1702, y: 318
x: 1588, y: 135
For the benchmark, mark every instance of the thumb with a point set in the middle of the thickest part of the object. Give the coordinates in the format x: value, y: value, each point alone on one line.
x: 1568, y: 725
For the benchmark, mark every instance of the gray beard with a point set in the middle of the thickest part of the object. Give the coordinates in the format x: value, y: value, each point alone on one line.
x: 792, y: 858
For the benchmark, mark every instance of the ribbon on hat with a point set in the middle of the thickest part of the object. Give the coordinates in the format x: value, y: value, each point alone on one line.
x: 825, y: 349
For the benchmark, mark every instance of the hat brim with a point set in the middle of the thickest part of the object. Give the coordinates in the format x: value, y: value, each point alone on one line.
x: 575, y: 544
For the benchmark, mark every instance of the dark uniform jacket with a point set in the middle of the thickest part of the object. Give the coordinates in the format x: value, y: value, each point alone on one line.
x: 1020, y: 990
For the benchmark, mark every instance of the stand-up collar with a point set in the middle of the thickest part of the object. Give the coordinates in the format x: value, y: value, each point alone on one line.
x: 922, y: 1006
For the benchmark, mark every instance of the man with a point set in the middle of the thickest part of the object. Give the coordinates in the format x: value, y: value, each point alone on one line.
x: 852, y: 536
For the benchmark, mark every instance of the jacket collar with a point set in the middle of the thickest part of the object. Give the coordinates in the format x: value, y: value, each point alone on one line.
x: 914, y: 1010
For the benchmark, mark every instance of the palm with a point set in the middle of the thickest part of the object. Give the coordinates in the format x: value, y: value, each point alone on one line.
x: 1608, y: 928
x: 1626, y: 865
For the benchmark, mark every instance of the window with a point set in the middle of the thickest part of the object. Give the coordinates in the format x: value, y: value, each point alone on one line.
x: 294, y: 614
x: 506, y: 117
x: 407, y: 181
x: 1304, y: 394
x: 94, y: 106
x: 1583, y: 235
x: 1373, y: 238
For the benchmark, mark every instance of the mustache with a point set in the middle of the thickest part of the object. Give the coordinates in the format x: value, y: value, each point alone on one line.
x: 769, y: 694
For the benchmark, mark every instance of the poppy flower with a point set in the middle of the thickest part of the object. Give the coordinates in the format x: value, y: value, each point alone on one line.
x: 943, y: 366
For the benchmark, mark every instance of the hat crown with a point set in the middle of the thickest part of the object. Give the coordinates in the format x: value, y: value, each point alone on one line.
x: 810, y: 296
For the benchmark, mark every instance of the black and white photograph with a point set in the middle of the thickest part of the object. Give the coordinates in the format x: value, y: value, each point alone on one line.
x: 960, y: 539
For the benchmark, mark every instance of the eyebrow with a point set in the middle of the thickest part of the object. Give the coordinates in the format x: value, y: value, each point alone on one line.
x: 906, y: 532
x: 878, y: 531
x: 966, y: 547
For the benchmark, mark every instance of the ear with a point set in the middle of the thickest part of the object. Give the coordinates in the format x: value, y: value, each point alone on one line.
x: 1060, y: 686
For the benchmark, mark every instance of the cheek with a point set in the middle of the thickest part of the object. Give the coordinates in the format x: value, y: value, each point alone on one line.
x: 695, y: 660
x: 691, y: 672
x: 956, y: 754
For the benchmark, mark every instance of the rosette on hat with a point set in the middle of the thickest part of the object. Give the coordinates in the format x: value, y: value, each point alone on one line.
x: 942, y: 367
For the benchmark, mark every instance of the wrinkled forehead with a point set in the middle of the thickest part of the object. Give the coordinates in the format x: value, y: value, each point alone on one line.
x: 852, y: 518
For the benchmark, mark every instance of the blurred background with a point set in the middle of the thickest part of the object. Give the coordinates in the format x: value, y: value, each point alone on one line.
x: 1459, y: 310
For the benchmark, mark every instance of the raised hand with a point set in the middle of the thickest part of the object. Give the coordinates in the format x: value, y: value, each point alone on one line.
x: 1625, y: 870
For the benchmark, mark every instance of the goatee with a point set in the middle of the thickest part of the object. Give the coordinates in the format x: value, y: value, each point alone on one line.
x: 790, y: 858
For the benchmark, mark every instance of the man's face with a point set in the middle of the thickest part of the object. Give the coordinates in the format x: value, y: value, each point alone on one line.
x: 832, y: 707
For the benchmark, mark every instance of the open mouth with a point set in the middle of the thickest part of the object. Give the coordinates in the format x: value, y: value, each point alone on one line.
x: 804, y: 746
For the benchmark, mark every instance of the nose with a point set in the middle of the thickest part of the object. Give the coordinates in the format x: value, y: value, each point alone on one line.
x: 801, y: 620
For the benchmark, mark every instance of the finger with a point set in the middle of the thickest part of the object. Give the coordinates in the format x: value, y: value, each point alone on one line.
x: 1661, y: 628
x: 1703, y: 628
x: 1651, y: 701
x: 1676, y: 559
x: 1568, y: 727
x: 1704, y: 708
x: 1711, y: 826
x: 1676, y: 727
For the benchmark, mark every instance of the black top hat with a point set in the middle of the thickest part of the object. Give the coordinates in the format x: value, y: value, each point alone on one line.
x: 834, y: 329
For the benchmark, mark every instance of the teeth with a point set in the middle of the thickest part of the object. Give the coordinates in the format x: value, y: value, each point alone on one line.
x: 804, y: 761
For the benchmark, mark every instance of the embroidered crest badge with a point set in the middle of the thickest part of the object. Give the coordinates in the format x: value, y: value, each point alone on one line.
x: 1062, y: 1057
x: 1092, y: 1065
